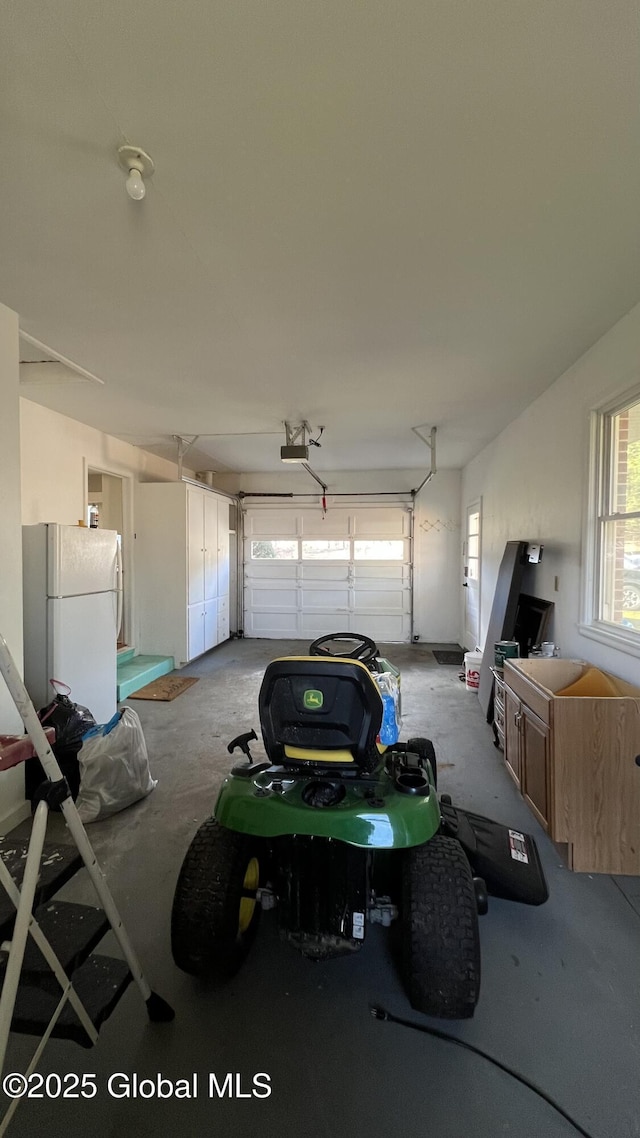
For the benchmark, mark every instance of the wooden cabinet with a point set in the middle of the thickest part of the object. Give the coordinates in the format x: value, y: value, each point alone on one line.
x: 512, y: 720
x: 535, y: 763
x: 574, y: 759
x: 182, y: 569
x: 498, y: 707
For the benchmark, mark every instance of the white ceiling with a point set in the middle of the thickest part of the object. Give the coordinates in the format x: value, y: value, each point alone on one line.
x: 370, y: 215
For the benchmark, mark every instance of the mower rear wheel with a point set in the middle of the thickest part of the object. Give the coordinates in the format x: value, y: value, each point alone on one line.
x: 440, y: 936
x: 426, y: 750
x: 215, y: 912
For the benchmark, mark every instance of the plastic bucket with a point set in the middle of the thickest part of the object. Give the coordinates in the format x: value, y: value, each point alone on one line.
x: 472, y: 662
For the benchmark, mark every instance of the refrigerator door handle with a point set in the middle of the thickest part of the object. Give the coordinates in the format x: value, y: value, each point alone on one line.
x: 119, y: 590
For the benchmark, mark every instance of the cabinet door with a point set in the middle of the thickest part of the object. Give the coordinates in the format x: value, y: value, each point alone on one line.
x: 535, y: 751
x: 498, y: 709
x: 196, y: 630
x: 210, y: 543
x: 223, y: 549
x: 210, y: 624
x: 512, y: 718
x: 223, y: 619
x: 195, y: 552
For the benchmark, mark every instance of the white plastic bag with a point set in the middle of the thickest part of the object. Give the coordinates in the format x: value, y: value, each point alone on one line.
x: 114, y: 767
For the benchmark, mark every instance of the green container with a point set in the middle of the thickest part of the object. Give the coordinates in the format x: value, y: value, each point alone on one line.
x: 506, y: 650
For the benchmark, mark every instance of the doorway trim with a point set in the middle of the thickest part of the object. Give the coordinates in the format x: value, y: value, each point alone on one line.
x: 128, y: 537
x: 472, y: 574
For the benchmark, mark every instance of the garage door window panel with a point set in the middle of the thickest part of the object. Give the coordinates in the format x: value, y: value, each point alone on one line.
x: 317, y: 550
x: 274, y: 550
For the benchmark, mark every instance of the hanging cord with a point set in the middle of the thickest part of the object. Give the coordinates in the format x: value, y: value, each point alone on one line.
x: 383, y: 1014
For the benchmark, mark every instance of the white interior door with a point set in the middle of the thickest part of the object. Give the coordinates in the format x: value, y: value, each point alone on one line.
x: 472, y: 552
x: 306, y: 574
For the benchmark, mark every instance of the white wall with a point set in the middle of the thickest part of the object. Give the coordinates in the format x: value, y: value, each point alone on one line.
x: 56, y: 452
x: 533, y: 480
x: 437, y: 550
x: 437, y: 580
x: 11, y: 782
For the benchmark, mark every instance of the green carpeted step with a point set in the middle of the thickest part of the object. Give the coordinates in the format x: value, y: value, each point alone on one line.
x: 135, y: 673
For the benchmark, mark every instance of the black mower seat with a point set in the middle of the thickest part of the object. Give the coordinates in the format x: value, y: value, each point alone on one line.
x: 322, y: 711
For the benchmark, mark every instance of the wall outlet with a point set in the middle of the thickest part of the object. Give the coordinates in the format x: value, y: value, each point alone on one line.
x: 556, y: 584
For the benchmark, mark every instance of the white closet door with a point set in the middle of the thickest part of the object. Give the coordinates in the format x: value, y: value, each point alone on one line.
x: 210, y: 624
x: 210, y: 546
x: 196, y: 553
x: 223, y: 619
x: 223, y: 548
x: 196, y: 630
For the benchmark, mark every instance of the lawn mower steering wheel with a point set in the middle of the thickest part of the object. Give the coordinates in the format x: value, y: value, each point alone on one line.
x: 364, y: 648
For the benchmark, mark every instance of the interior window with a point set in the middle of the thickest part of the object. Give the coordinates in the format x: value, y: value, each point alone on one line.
x: 617, y: 547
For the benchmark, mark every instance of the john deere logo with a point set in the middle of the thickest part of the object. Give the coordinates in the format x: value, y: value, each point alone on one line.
x: 313, y: 699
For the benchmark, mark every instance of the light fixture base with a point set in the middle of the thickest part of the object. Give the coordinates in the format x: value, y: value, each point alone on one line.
x: 133, y: 158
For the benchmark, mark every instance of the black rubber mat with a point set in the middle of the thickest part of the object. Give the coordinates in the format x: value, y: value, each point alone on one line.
x: 443, y: 657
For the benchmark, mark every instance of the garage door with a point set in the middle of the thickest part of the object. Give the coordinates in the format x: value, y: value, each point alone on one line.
x: 305, y: 575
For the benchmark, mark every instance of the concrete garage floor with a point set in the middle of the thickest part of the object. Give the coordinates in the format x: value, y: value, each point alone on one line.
x: 560, y: 998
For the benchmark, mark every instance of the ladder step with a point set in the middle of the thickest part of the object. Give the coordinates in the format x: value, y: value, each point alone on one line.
x: 100, y: 983
x: 57, y: 866
x: 73, y: 932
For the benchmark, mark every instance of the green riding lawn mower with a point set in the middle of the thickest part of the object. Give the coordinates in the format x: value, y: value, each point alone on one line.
x: 340, y: 828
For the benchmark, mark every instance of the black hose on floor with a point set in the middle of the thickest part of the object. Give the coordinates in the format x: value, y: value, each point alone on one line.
x: 382, y: 1014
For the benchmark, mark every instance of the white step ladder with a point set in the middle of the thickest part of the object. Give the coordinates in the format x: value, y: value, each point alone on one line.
x: 70, y: 1015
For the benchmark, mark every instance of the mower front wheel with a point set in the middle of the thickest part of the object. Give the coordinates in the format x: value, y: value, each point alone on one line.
x: 440, y: 936
x: 215, y: 911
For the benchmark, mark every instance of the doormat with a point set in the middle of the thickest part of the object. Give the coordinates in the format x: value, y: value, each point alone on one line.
x: 442, y: 657
x: 165, y: 689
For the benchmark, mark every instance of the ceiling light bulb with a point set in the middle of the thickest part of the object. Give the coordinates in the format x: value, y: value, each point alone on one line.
x: 136, y: 188
x: 138, y: 166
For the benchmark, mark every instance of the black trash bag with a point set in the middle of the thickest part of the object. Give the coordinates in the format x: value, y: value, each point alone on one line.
x: 71, y: 721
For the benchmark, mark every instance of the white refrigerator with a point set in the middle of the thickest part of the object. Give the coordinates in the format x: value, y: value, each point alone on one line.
x: 71, y: 614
